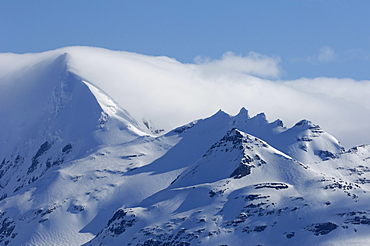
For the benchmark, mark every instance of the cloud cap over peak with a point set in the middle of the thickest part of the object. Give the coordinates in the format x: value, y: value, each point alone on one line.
x: 171, y: 93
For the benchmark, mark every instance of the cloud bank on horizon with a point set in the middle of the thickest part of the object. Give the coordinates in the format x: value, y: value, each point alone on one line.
x: 171, y: 93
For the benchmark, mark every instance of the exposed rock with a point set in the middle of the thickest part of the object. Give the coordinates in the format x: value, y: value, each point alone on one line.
x: 321, y: 228
x: 276, y: 186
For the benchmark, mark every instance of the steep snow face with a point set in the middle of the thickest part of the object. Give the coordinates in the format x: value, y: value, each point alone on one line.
x: 52, y: 117
x: 48, y: 101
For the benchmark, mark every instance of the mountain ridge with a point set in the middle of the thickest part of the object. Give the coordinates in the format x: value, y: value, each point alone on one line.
x: 77, y: 169
x: 185, y: 227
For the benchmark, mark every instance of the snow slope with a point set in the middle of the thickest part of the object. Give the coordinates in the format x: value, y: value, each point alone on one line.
x: 244, y: 191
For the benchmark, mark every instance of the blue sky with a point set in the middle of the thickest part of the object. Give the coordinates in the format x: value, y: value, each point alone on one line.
x: 310, y: 38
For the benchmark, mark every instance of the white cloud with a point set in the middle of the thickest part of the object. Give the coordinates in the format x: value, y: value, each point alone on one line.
x: 171, y: 93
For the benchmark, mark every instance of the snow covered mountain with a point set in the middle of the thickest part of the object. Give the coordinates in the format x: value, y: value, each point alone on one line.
x: 243, y: 190
x: 77, y: 169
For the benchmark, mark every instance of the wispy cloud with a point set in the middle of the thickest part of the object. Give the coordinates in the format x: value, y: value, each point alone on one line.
x: 326, y: 54
x: 253, y: 64
x: 357, y: 54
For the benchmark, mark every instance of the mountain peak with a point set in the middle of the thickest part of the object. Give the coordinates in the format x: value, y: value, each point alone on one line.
x: 278, y: 122
x: 243, y: 111
x: 261, y: 117
x: 220, y: 113
x: 306, y: 124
